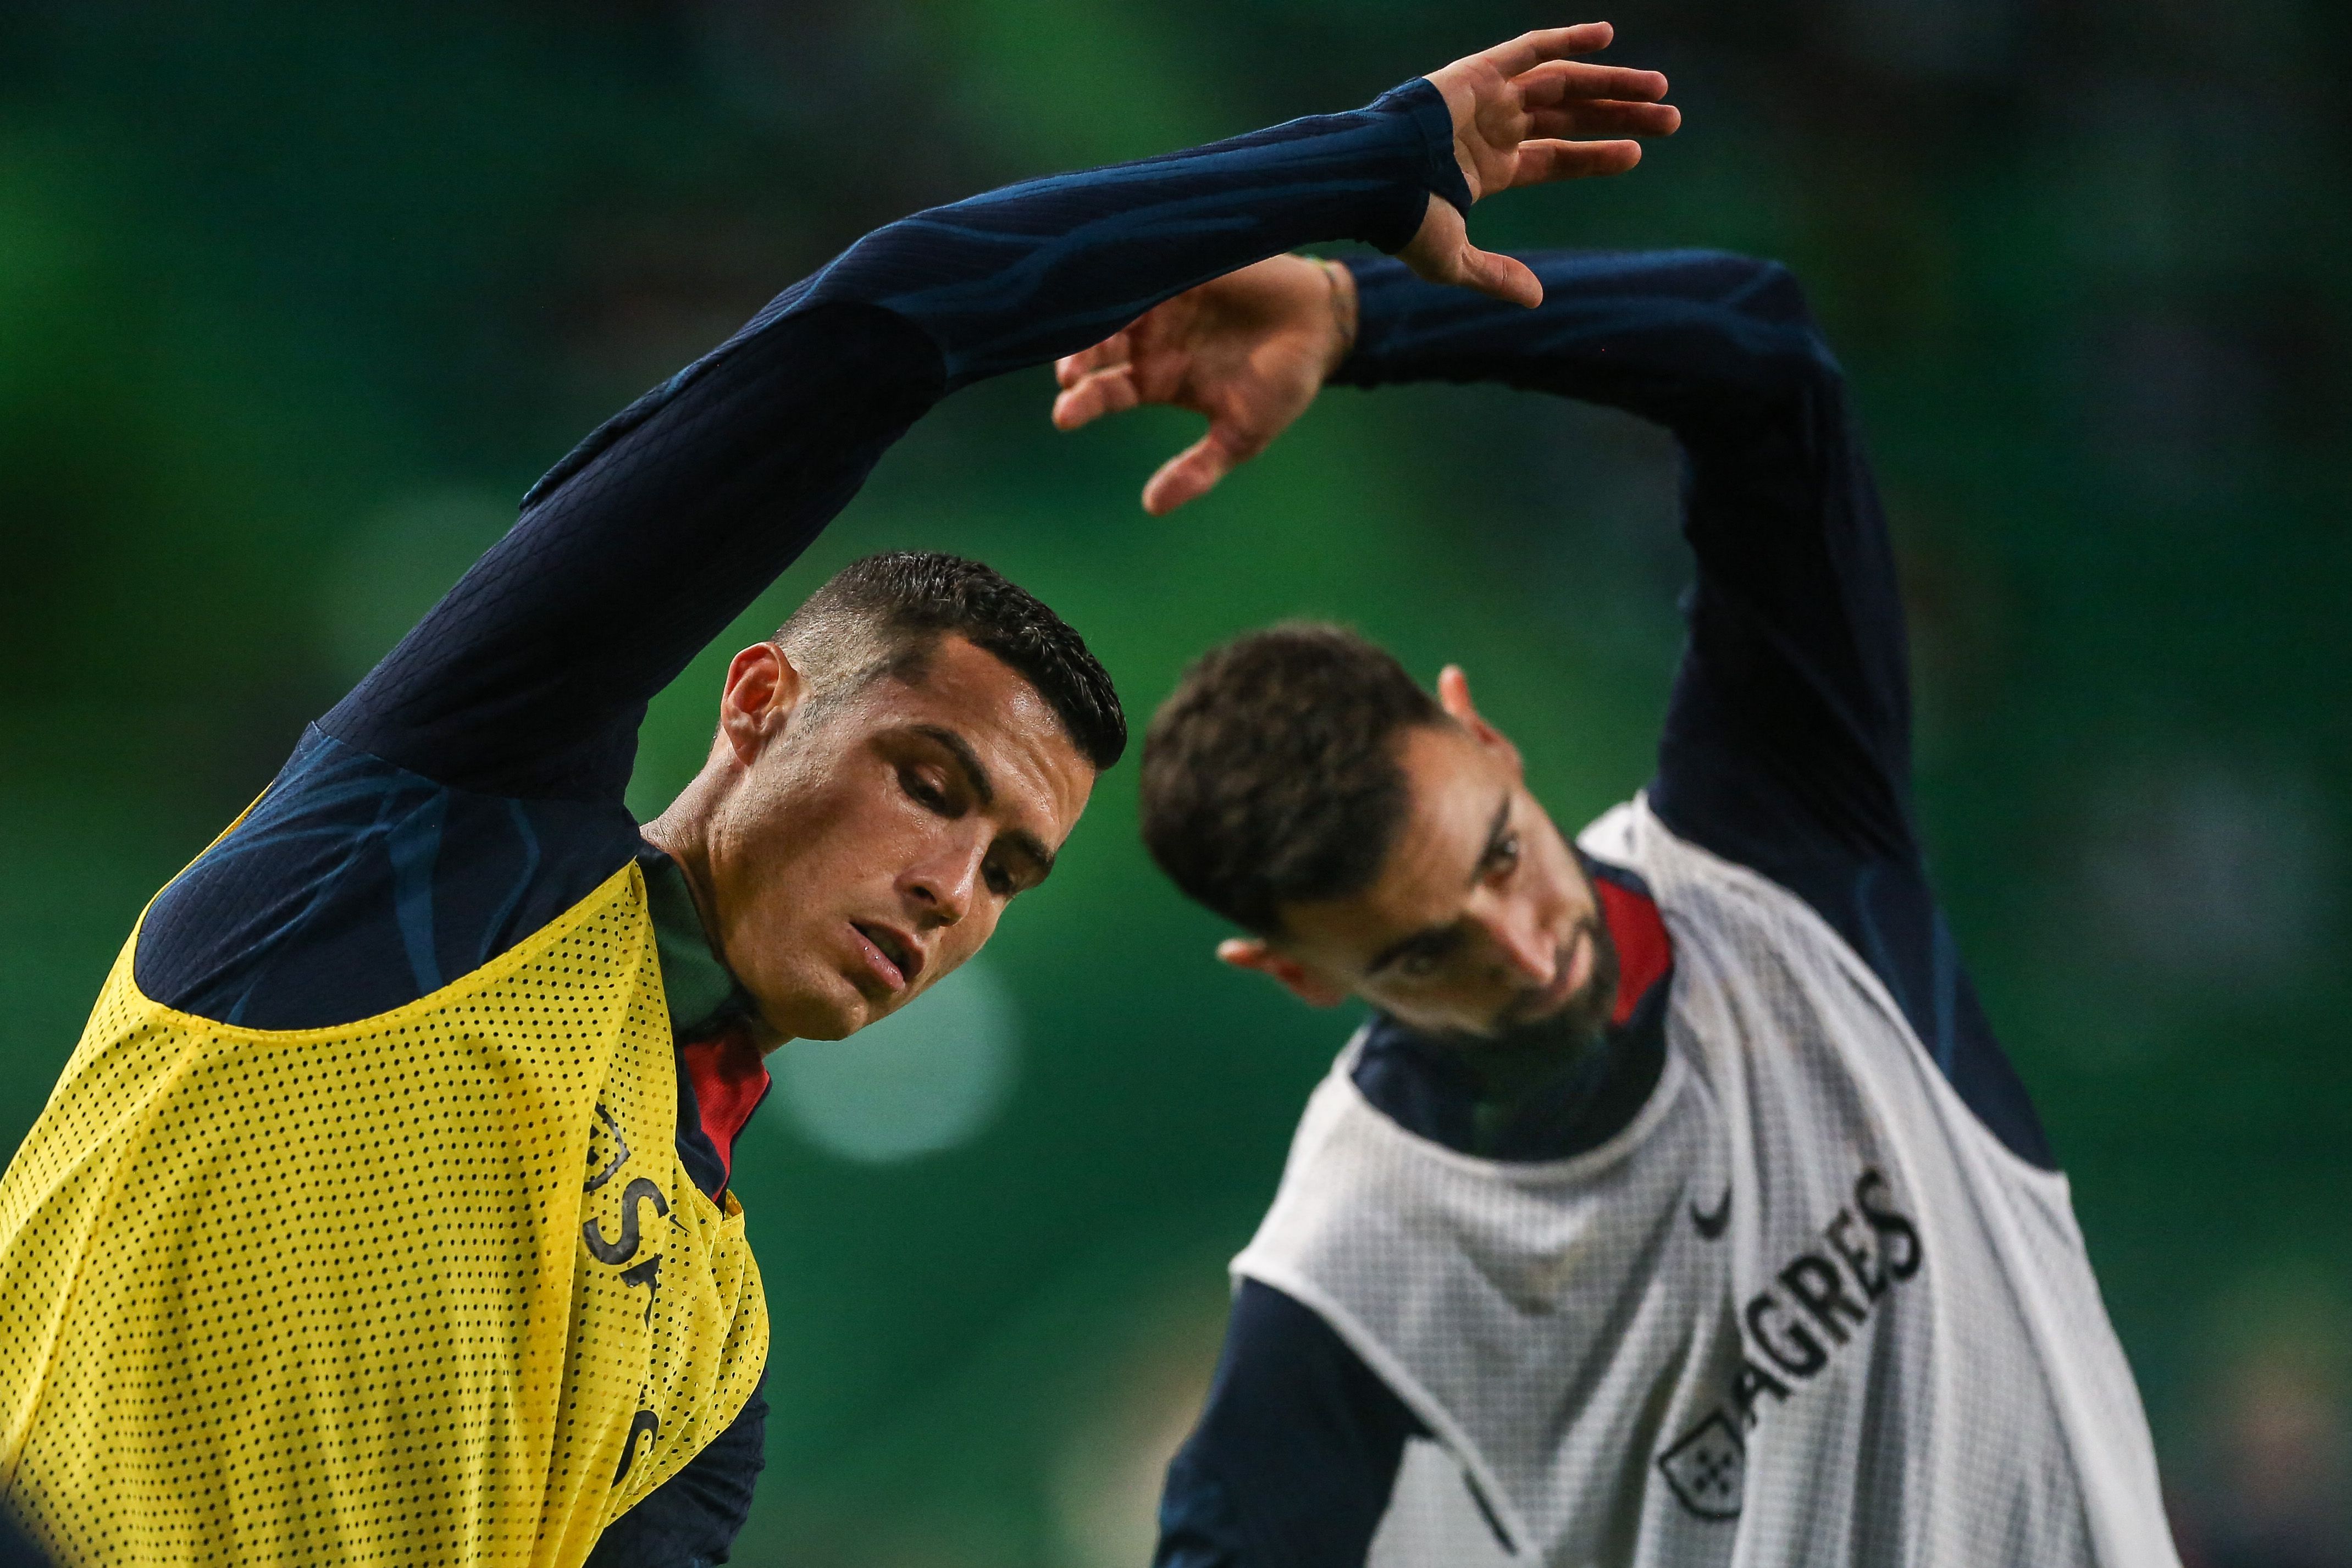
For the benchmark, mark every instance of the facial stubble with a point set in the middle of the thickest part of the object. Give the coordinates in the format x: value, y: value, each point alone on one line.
x: 1575, y: 1024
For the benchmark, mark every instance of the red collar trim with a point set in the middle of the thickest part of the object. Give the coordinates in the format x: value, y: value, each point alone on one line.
x: 1644, y: 951
x: 729, y: 1081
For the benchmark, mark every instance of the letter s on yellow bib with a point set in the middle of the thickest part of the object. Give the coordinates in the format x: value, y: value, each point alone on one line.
x: 428, y: 1288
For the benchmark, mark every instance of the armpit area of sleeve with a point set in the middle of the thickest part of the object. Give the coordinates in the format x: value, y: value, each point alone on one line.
x: 529, y: 678
x: 1296, y: 1454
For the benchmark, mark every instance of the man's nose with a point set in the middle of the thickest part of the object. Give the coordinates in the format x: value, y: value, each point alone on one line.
x: 1522, y: 943
x: 943, y: 886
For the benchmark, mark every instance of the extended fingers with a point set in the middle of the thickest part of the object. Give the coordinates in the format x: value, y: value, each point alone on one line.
x: 1529, y: 50
x: 1071, y: 368
x: 1541, y: 162
x: 1604, y: 117
x: 1563, y: 80
x: 1110, y: 389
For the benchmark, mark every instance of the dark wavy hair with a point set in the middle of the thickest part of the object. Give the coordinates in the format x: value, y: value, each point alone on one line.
x: 1270, y: 774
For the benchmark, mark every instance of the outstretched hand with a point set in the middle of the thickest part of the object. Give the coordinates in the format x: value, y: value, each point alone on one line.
x: 1251, y: 350
x: 1519, y: 109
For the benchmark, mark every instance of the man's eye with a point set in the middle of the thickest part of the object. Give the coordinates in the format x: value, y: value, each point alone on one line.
x: 1506, y: 858
x: 1417, y: 966
x: 922, y: 789
x: 999, y: 880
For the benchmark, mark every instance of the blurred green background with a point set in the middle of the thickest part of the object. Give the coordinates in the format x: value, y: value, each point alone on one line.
x: 296, y: 300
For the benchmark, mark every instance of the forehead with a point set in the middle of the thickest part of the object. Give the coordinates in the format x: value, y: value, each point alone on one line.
x: 1014, y: 731
x: 1454, y: 788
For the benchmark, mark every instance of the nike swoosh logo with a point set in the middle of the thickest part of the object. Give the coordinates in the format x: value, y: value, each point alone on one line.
x: 1710, y: 1226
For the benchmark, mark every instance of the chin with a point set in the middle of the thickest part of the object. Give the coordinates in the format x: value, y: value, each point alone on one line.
x: 829, y: 1008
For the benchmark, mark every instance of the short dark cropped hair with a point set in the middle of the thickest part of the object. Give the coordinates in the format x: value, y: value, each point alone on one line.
x: 1270, y: 774
x: 885, y: 613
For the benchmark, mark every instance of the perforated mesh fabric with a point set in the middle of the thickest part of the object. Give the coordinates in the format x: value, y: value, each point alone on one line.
x: 428, y: 1288
x: 1805, y: 1310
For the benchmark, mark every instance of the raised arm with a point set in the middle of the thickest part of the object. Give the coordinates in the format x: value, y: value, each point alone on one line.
x: 1786, y: 745
x: 1789, y: 736
x: 531, y: 676
x: 1789, y: 729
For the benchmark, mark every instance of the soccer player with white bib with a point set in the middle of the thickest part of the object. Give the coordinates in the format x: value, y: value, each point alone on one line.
x: 1677, y: 1206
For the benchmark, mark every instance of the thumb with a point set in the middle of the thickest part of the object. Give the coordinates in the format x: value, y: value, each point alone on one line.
x: 1505, y: 277
x: 1436, y: 245
x: 1441, y: 252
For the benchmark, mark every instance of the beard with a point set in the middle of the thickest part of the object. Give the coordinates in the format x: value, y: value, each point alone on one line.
x: 1572, y: 1025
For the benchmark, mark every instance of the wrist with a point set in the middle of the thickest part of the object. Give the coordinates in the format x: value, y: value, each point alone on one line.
x: 1341, y: 284
x: 1432, y: 165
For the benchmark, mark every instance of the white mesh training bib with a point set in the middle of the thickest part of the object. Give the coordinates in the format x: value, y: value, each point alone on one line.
x: 1804, y: 1310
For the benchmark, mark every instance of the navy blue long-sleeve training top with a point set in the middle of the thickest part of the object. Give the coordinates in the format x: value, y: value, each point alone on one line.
x: 470, y: 788
x: 1786, y: 748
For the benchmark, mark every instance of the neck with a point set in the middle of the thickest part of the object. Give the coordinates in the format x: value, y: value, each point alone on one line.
x: 688, y: 833
x: 1511, y: 1065
x: 1520, y: 1096
x: 684, y: 833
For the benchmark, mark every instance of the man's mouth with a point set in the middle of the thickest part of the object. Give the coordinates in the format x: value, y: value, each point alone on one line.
x: 1571, y: 974
x: 891, y: 953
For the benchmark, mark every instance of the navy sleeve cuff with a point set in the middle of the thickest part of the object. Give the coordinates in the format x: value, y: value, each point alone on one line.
x: 1383, y: 290
x: 1441, y: 172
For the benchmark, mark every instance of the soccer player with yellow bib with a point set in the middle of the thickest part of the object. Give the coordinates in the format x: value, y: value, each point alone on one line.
x: 381, y: 1214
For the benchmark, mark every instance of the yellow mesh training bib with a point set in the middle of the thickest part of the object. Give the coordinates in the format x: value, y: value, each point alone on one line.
x: 428, y: 1288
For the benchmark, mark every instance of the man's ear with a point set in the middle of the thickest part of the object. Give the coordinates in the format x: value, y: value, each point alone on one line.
x: 1453, y: 696
x: 762, y: 691
x: 1310, y: 985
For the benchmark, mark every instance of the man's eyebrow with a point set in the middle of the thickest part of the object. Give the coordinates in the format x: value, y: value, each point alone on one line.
x: 1020, y: 840
x: 960, y: 749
